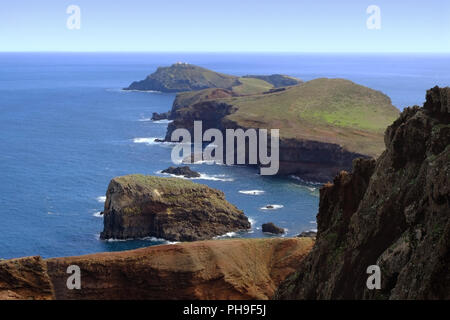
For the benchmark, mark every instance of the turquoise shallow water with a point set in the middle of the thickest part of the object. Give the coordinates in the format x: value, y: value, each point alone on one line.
x: 66, y: 129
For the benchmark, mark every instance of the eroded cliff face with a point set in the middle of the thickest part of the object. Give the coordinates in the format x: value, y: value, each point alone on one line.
x: 393, y: 213
x: 215, y: 269
x: 308, y: 159
x: 174, y: 209
x: 25, y: 279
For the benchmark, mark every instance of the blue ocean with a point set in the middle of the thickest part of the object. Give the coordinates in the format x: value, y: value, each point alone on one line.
x: 67, y: 128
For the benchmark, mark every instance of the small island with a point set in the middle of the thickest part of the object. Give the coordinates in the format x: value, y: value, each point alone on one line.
x: 182, y: 171
x: 182, y: 76
x: 174, y: 209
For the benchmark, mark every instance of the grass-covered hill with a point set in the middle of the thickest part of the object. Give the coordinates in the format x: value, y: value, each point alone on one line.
x: 181, y: 77
x: 334, y: 111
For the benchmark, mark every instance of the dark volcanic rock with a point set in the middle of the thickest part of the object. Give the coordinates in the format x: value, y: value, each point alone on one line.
x: 175, y: 209
x: 393, y: 213
x: 182, y: 171
x: 272, y: 228
x: 160, y: 116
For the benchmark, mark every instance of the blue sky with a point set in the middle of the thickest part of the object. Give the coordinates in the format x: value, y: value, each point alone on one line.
x: 222, y: 26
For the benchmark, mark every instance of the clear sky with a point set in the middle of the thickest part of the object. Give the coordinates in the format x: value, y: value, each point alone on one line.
x: 221, y: 26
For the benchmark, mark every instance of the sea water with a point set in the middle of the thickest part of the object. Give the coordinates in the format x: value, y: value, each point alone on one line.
x: 67, y: 128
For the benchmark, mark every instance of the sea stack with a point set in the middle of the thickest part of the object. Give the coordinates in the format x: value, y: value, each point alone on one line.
x: 174, y: 209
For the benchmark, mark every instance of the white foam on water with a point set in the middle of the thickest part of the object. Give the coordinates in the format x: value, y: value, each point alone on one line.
x: 98, y: 214
x: 145, y: 119
x: 153, y: 239
x: 214, y: 177
x: 163, y: 121
x: 273, y: 207
x: 227, y: 235
x: 203, y: 176
x: 148, y: 141
x: 101, y: 199
x: 252, y: 192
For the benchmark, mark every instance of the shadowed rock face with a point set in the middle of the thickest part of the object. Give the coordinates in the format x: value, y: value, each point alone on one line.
x: 25, y: 279
x: 170, y: 208
x: 393, y: 213
x: 216, y: 269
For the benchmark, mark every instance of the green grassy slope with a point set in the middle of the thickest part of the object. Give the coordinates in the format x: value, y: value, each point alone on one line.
x: 327, y: 110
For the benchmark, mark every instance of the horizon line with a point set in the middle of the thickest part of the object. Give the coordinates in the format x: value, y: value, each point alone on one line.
x: 233, y: 52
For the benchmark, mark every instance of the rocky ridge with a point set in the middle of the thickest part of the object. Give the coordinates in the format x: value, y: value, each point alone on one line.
x: 215, y: 269
x: 392, y: 212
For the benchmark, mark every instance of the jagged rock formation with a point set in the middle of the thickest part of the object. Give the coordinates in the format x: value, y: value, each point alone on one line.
x: 216, y: 269
x: 324, y: 123
x: 393, y: 213
x: 170, y: 208
x: 184, y: 171
x: 25, y: 279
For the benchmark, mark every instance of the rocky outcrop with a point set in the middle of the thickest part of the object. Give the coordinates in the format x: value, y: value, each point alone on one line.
x: 216, y: 269
x: 394, y: 213
x: 184, y: 171
x: 160, y: 116
x: 270, y: 227
x: 25, y: 279
x: 170, y: 208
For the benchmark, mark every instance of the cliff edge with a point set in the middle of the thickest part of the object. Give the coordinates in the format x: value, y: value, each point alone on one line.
x: 215, y: 269
x: 393, y: 213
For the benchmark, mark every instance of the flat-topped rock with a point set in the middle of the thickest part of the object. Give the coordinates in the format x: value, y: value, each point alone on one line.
x: 174, y: 209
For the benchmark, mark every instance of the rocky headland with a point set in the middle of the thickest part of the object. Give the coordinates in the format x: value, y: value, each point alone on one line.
x: 393, y: 212
x: 215, y: 269
x: 181, y: 77
x: 324, y: 123
x: 174, y: 209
